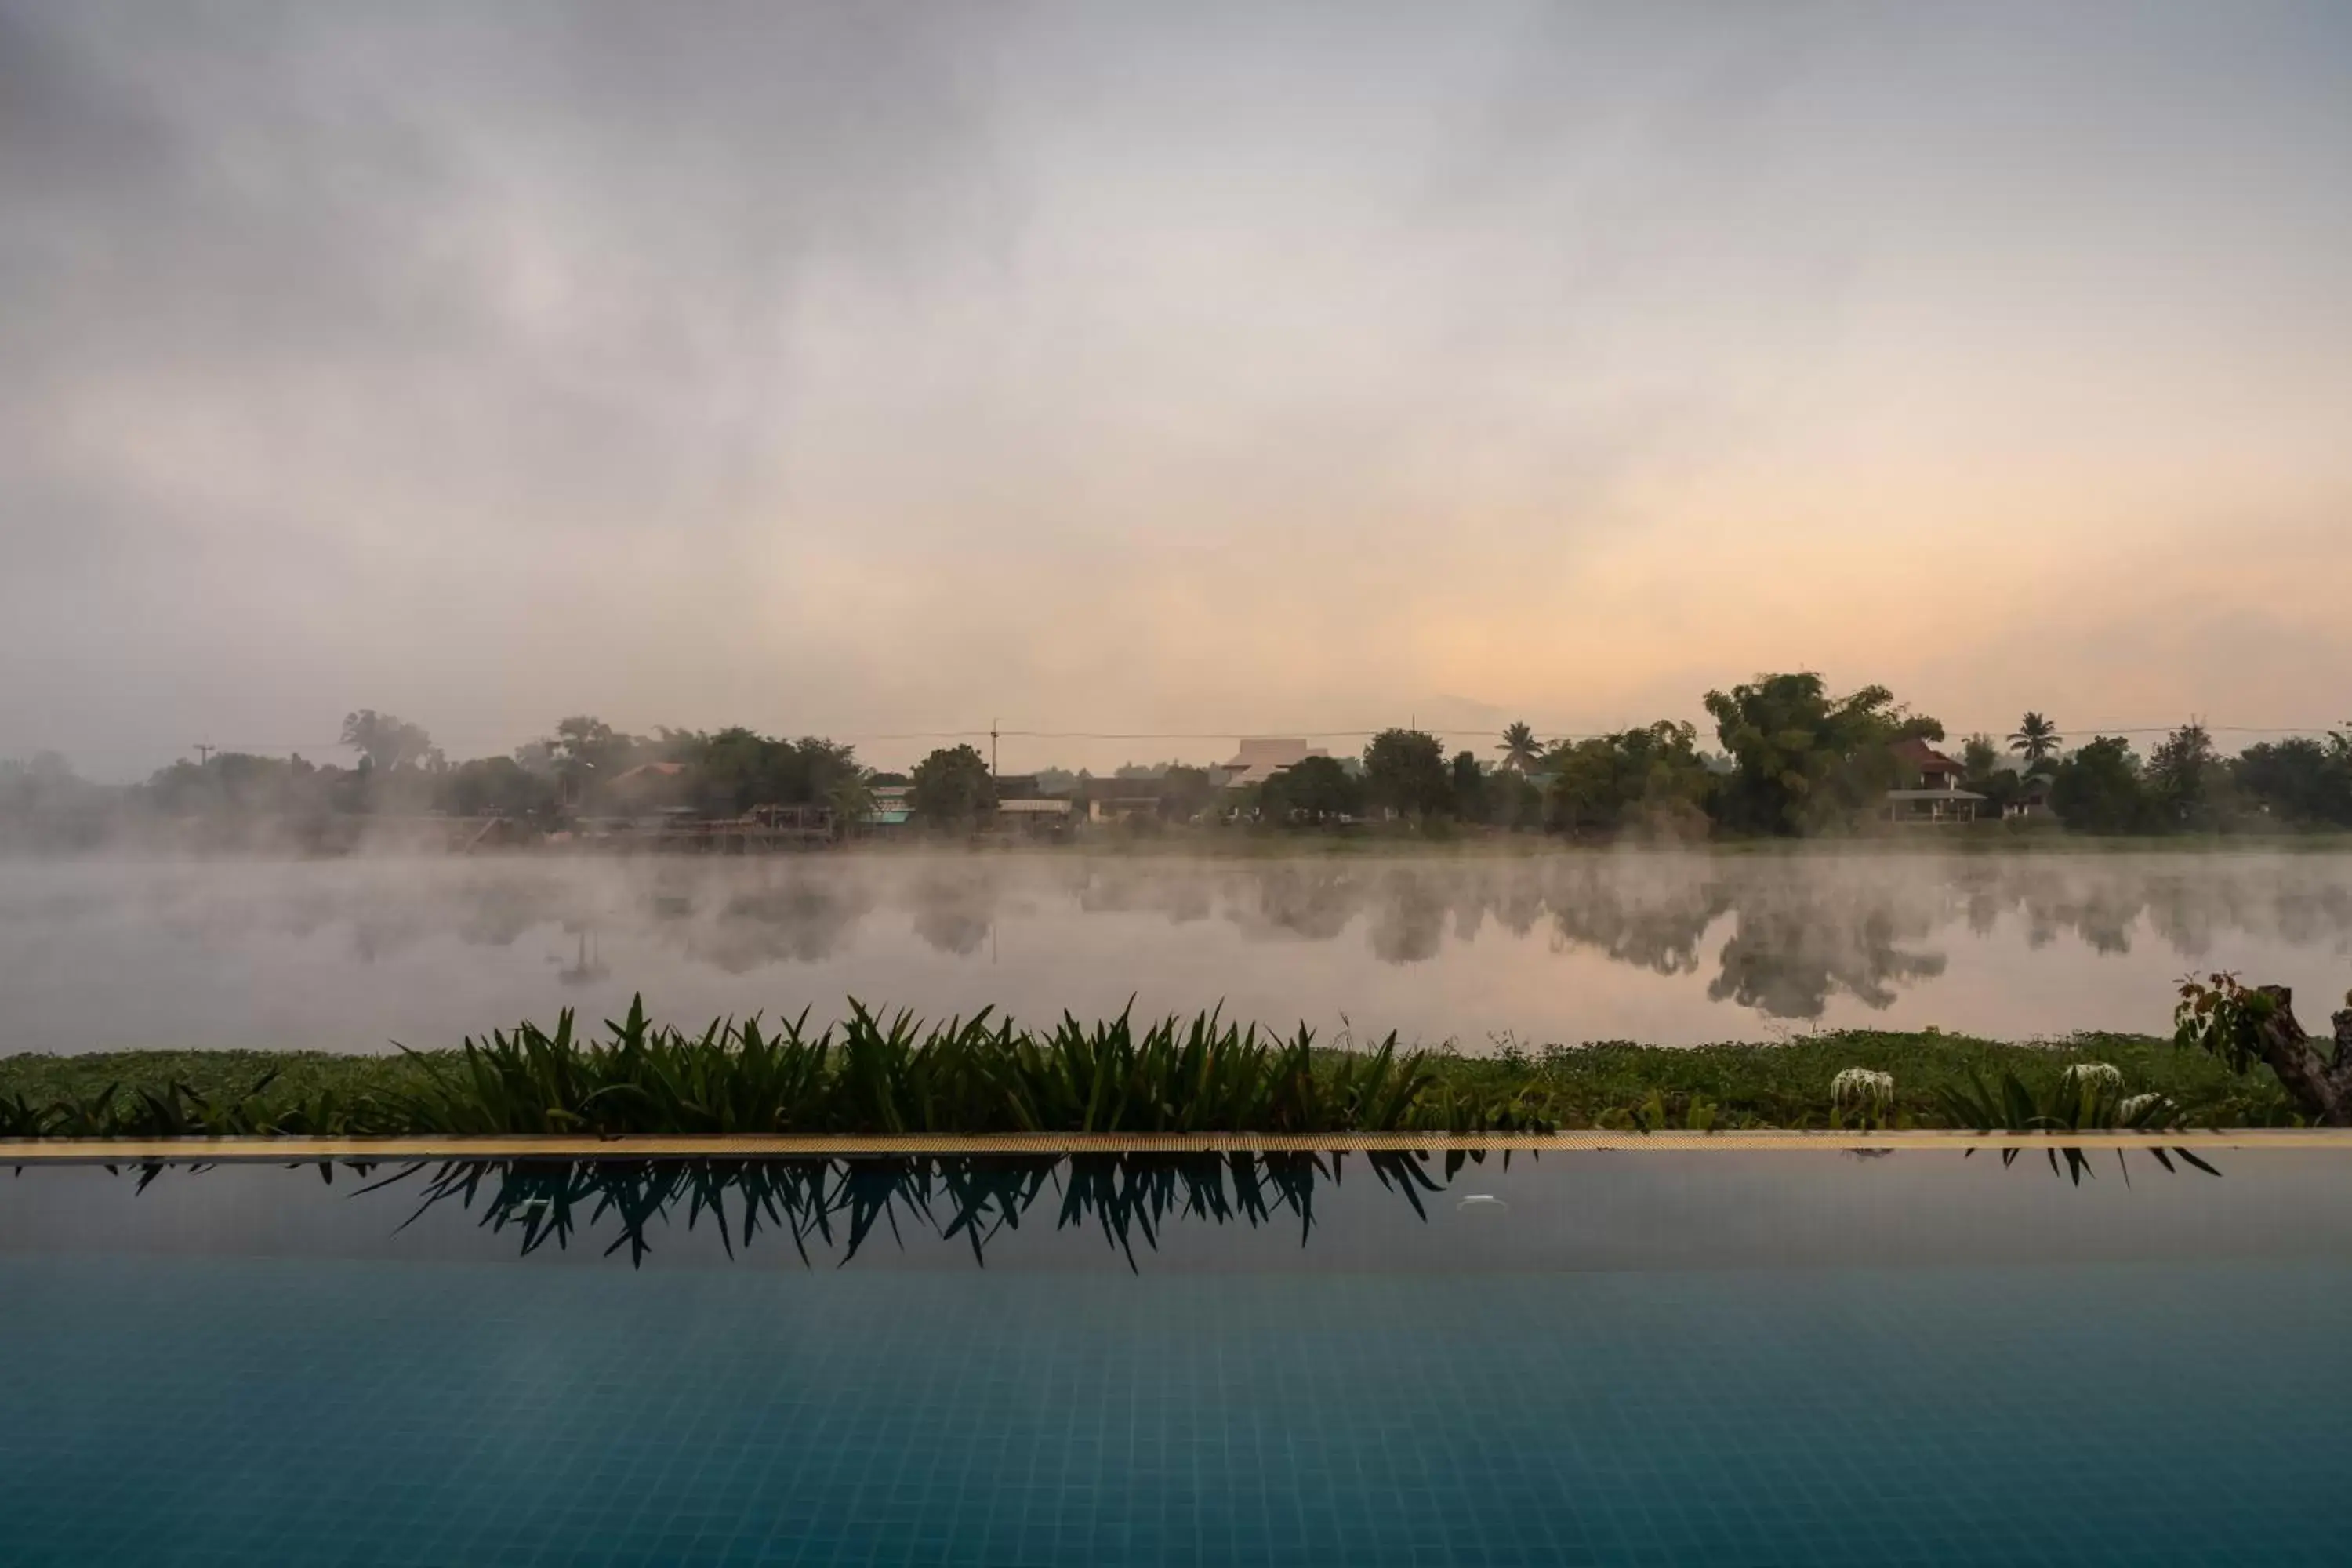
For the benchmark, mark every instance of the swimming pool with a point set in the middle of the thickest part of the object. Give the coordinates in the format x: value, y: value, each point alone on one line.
x: 1635, y: 1357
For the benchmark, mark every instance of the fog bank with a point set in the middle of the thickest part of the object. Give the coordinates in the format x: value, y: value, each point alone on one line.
x: 1668, y: 946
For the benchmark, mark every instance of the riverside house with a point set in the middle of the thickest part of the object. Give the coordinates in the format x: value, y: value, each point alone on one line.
x: 1928, y: 786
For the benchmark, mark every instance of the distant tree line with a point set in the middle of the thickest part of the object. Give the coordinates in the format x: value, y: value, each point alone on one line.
x: 1792, y: 758
x: 584, y: 768
x: 1796, y: 759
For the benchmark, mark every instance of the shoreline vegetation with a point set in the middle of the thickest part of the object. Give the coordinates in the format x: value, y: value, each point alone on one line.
x: 891, y: 1074
x: 1789, y: 760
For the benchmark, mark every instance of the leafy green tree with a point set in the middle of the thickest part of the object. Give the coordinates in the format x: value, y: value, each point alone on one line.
x: 587, y: 754
x: 2186, y: 779
x: 1314, y: 790
x: 242, y: 784
x: 952, y: 788
x: 2098, y: 789
x: 589, y: 738
x: 1519, y: 747
x: 829, y: 766
x: 736, y: 770
x: 850, y: 793
x: 1469, y: 801
x: 2036, y: 739
x: 1981, y: 756
x: 1514, y: 800
x: 43, y: 802
x: 385, y: 740
x: 2300, y: 780
x: 1404, y: 770
x: 495, y: 786
x: 1801, y: 758
x: 1652, y: 777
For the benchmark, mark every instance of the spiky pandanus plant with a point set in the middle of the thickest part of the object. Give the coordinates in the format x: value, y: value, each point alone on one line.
x: 871, y: 1073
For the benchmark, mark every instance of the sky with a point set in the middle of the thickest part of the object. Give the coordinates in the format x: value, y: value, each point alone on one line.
x: 882, y: 371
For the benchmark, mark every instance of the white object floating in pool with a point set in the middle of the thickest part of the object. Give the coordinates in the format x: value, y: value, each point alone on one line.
x: 1482, y: 1203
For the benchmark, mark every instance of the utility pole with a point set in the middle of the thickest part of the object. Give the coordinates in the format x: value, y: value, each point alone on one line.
x: 204, y: 752
x: 991, y: 750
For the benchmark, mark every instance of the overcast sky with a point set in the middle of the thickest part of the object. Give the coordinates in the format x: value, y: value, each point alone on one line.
x: 867, y: 369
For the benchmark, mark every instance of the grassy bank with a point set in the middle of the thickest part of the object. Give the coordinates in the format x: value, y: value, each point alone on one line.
x: 890, y: 1076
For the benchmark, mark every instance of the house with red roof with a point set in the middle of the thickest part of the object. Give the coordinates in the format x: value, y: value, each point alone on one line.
x: 1927, y: 787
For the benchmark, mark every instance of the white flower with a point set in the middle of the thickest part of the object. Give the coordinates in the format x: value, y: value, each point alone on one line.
x: 1860, y: 1088
x: 2081, y: 1075
x: 2129, y: 1109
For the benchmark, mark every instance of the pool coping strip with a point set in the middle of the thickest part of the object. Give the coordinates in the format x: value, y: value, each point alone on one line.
x: 223, y: 1150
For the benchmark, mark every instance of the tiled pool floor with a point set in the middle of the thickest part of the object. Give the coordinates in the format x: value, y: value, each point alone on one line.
x: 193, y: 1408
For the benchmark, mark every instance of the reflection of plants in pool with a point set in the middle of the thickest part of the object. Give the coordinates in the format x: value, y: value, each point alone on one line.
x: 2077, y: 1161
x: 821, y: 1204
x: 2087, y: 1097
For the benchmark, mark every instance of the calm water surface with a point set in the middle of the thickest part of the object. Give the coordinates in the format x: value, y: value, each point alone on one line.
x: 1723, y: 1358
x: 1673, y: 947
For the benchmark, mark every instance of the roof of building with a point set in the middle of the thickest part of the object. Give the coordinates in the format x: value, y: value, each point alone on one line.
x: 1933, y: 794
x: 1034, y: 808
x: 1920, y: 757
x: 651, y: 769
x: 1259, y: 760
x: 1278, y: 750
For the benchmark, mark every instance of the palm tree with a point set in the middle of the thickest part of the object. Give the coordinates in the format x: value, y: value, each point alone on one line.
x: 849, y: 791
x: 1519, y: 747
x: 2036, y: 739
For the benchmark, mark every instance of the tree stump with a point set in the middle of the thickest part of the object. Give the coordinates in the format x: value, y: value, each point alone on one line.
x: 2321, y: 1086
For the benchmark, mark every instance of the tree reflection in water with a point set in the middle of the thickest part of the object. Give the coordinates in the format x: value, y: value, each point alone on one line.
x: 1795, y: 934
x: 1787, y: 933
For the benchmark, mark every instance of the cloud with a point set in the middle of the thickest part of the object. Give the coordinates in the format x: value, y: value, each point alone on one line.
x: 869, y: 368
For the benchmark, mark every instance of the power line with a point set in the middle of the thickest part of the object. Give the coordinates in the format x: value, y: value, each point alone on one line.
x: 1258, y: 733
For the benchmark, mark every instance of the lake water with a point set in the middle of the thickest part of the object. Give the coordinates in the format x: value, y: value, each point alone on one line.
x: 1670, y: 947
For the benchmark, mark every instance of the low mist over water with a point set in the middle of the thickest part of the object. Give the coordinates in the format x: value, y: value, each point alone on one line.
x: 1659, y: 946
